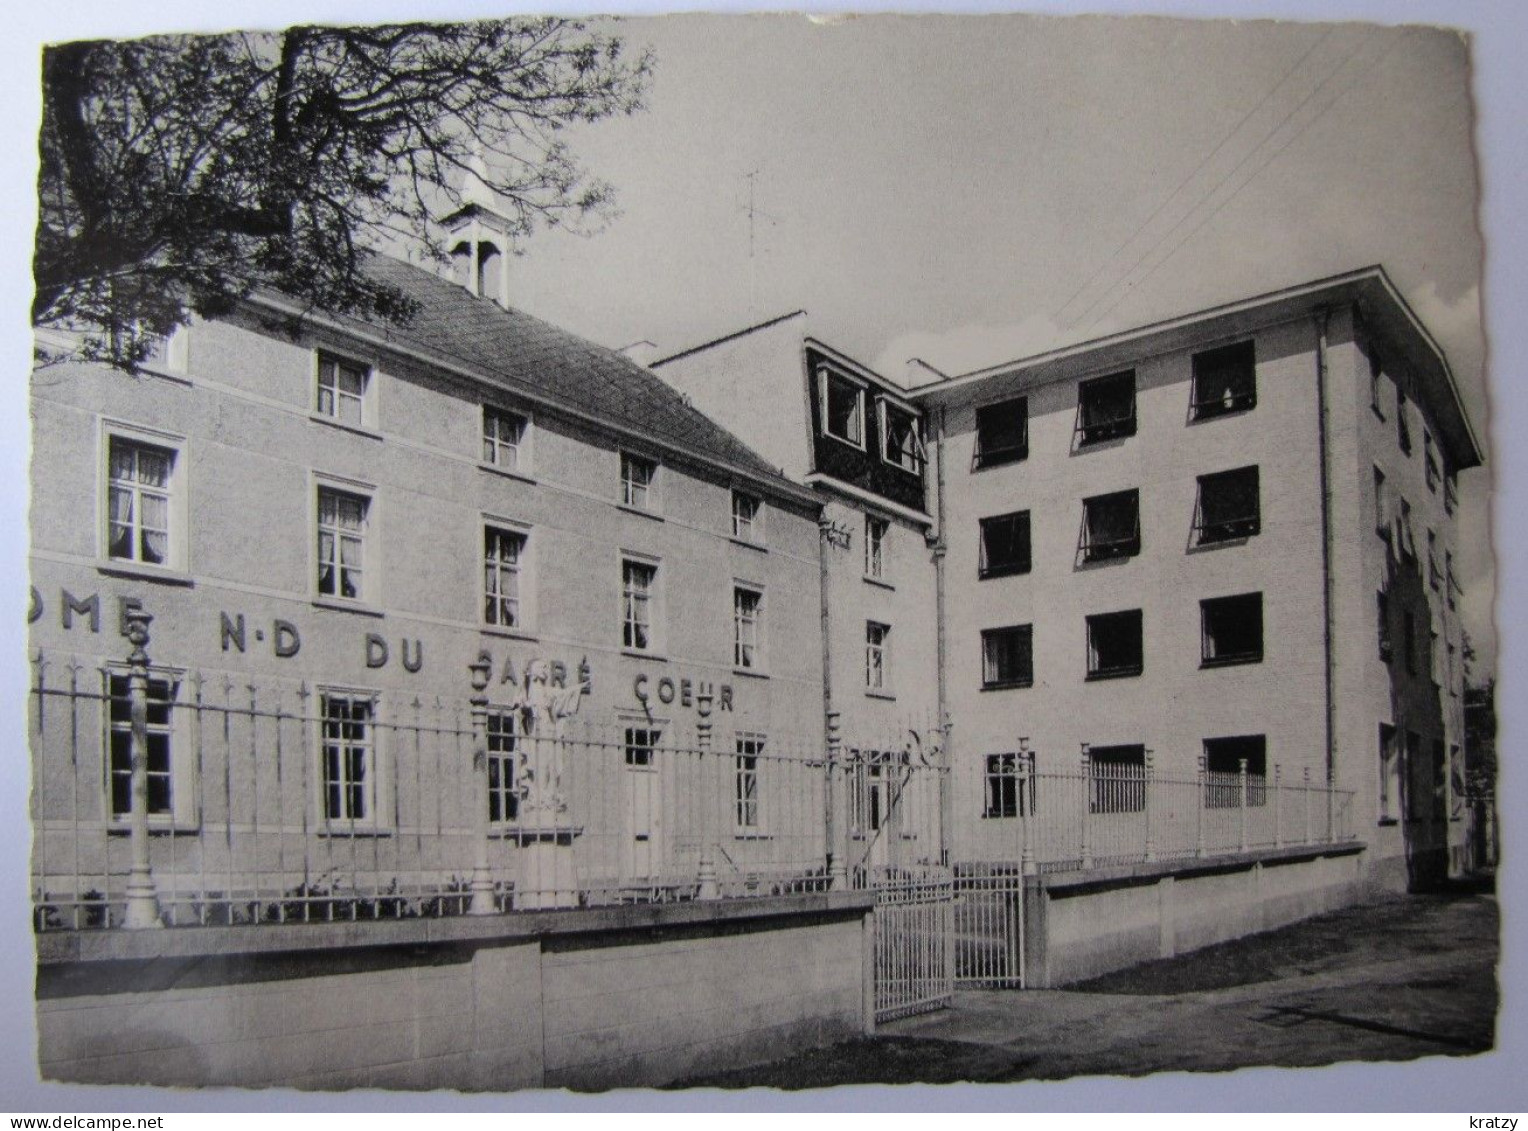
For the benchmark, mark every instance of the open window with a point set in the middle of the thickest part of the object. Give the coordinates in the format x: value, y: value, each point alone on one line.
x: 1106, y: 408
x: 1232, y: 630
x: 1225, y: 381
x: 1002, y: 433
x: 1114, y: 645
x: 1229, y: 506
x: 1111, y: 527
x: 1224, y: 761
x: 1004, y: 544
x: 901, y: 446
x: 1008, y: 657
x: 843, y: 408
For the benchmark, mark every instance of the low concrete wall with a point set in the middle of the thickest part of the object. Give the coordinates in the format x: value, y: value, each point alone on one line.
x: 1082, y: 924
x: 582, y: 999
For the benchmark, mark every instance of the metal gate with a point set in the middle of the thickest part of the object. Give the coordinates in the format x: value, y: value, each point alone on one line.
x: 988, y: 926
x: 914, y: 932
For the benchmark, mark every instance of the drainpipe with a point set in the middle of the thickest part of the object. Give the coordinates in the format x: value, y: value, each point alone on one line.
x: 837, y: 872
x: 1327, y: 603
x: 947, y: 769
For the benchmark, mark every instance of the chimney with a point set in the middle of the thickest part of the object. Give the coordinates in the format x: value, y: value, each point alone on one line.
x: 644, y: 352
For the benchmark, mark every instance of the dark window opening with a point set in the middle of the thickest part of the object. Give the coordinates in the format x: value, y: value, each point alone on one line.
x: 1386, y: 647
x: 901, y: 444
x: 1229, y: 506
x: 1004, y: 793
x: 1233, y: 630
x: 843, y: 409
x: 1002, y: 433
x: 1116, y: 779
x: 1008, y: 656
x: 1005, y: 544
x: 1111, y: 526
x: 1223, y: 762
x: 1225, y: 380
x: 1114, y: 644
x: 1106, y: 408
x: 1402, y: 427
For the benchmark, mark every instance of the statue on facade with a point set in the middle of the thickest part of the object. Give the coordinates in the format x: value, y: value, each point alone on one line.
x: 544, y: 704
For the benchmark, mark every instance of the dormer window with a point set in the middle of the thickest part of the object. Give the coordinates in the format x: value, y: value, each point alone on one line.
x: 843, y: 408
x: 900, y: 442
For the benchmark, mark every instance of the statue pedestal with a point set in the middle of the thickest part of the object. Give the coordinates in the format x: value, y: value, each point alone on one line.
x: 546, y: 874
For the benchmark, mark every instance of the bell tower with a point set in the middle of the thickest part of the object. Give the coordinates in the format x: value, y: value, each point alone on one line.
x: 478, y: 234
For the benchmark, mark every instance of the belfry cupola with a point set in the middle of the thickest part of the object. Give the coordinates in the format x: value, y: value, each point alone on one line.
x: 478, y: 234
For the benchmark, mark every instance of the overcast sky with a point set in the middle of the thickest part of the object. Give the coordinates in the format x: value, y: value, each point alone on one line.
x: 972, y: 189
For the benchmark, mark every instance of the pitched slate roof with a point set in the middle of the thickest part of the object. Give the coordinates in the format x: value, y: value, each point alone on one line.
x: 524, y: 354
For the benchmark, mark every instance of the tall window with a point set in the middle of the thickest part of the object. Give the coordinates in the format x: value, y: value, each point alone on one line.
x: 1376, y: 371
x: 638, y: 477
x: 876, y: 531
x: 746, y: 519
x: 638, y: 580
x: 877, y: 656
x: 1430, y: 460
x: 503, y: 769
x: 1008, y: 656
x: 1232, y: 630
x: 1229, y: 506
x: 1407, y: 544
x: 348, y: 756
x: 342, y: 389
x: 1450, y: 586
x: 1223, y: 762
x: 1382, y: 607
x: 747, y: 611
x: 1004, y: 544
x: 1111, y: 527
x: 1389, y: 774
x: 900, y: 443
x: 341, y: 544
x: 1114, y: 645
x: 503, y: 555
x: 843, y: 408
x: 1225, y: 380
x: 1402, y: 425
x: 1002, y: 433
x: 1106, y: 408
x: 1381, y: 506
x: 1117, y: 779
x: 1003, y: 797
x: 503, y: 437
x: 746, y: 809
x: 138, y: 504
x: 1434, y: 573
x: 159, y: 771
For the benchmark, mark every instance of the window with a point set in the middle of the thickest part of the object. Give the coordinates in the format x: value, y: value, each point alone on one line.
x: 1389, y: 774
x: 1453, y: 686
x: 746, y: 809
x: 1450, y: 586
x: 503, y: 558
x: 1229, y: 506
x: 870, y: 798
x: 139, y: 494
x: 1381, y: 506
x: 876, y: 531
x: 1432, y: 656
x: 843, y: 408
x: 1111, y: 527
x: 1106, y: 408
x: 900, y: 443
x: 1224, y: 759
x: 1003, y: 795
x: 747, y: 613
x: 1116, y: 779
x: 1406, y: 542
x: 342, y: 389
x: 747, y: 519
x: 877, y: 656
x: 638, y: 480
x: 1430, y: 461
x: 638, y: 581
x: 1450, y: 491
x: 1008, y: 656
x: 1005, y: 545
x: 503, y: 767
x: 503, y: 438
x: 1434, y: 574
x: 348, y: 744
x: 1402, y: 426
x: 640, y: 744
x: 1002, y: 433
x: 1225, y: 381
x: 341, y: 544
x: 1114, y: 644
x: 163, y: 796
x: 1232, y: 630
x: 1386, y: 648
x: 1375, y: 380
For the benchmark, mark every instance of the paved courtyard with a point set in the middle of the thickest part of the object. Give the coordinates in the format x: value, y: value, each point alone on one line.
x: 1394, y: 979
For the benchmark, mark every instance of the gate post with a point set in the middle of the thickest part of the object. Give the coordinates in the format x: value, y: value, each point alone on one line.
x: 1087, y: 805
x: 1278, y: 807
x: 838, y: 873
x: 142, y: 911
x: 1151, y: 844
x: 481, y: 886
x: 1027, y: 791
x: 1199, y: 808
x: 1241, y: 804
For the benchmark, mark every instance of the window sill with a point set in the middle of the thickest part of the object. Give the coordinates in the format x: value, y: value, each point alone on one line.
x: 879, y: 583
x: 914, y: 471
x: 157, y: 827
x: 643, y: 654
x: 140, y: 572
x: 341, y: 606
x: 744, y: 542
x: 1002, y: 571
x: 358, y: 831
x: 506, y: 473
x: 857, y: 445
x: 1000, y: 816
x: 509, y: 633
x: 750, y: 673
x: 354, y: 429
x: 1230, y: 661
x: 1388, y: 822
x: 998, y: 460
x: 741, y: 835
x: 1122, y: 673
x: 880, y: 693
x: 1008, y: 685
x: 1199, y: 414
x: 629, y: 509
